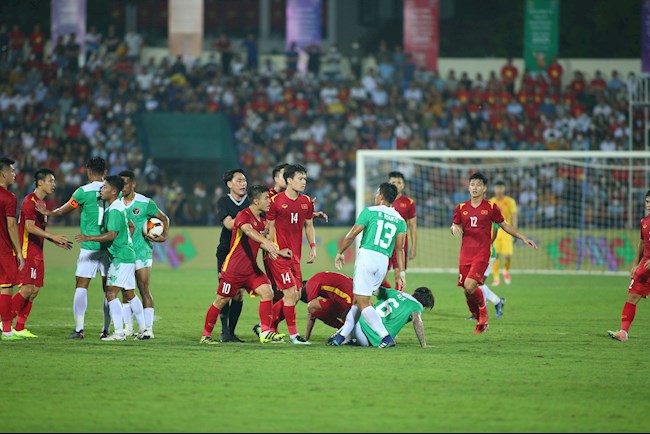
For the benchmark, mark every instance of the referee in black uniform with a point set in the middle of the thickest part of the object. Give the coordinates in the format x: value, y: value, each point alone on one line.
x: 228, y: 208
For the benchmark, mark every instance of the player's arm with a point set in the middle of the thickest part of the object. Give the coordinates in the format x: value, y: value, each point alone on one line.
x: 400, y: 282
x: 228, y: 223
x: 12, y: 228
x: 270, y: 226
x: 106, y: 237
x: 310, y: 233
x: 418, y: 326
x: 265, y: 243
x: 412, y: 226
x: 310, y: 325
x: 347, y: 241
x: 512, y: 231
x: 456, y: 228
x: 64, y: 209
x: 319, y: 214
x: 639, y: 257
x: 60, y: 240
x: 166, y: 222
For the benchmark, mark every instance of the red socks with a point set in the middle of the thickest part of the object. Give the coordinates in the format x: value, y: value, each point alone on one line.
x: 6, y: 313
x: 290, y: 316
x: 629, y: 310
x: 22, y: 316
x: 211, y: 320
x: 278, y: 314
x: 18, y: 302
x: 478, y: 297
x: 265, y: 311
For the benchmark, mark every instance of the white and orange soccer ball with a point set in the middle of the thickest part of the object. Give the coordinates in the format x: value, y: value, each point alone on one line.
x: 152, y: 227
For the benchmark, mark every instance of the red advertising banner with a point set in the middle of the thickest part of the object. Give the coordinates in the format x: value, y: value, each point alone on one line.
x: 421, y: 30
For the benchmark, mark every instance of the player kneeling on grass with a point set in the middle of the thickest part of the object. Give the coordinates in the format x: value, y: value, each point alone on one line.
x: 121, y: 272
x: 328, y: 296
x: 240, y: 269
x: 640, y: 275
x: 396, y: 309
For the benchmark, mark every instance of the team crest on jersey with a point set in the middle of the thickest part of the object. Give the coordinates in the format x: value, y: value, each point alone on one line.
x: 403, y: 205
x: 484, y: 212
x: 284, y: 205
x: 465, y: 212
x: 304, y: 206
x: 136, y: 211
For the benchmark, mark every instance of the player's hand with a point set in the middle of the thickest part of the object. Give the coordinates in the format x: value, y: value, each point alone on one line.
x: 264, y: 232
x: 312, y: 255
x: 272, y: 249
x: 647, y: 264
x: 400, y: 283
x: 633, y: 272
x: 156, y: 238
x: 339, y: 261
x: 285, y: 253
x: 40, y: 207
x: 531, y: 243
x: 59, y: 239
x: 456, y: 230
x: 321, y: 215
x: 412, y: 254
x: 81, y: 238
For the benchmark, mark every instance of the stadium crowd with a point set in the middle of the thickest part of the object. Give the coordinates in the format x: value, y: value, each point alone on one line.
x: 56, y: 112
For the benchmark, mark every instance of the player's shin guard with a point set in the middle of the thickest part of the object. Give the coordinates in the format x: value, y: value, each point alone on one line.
x: 80, y: 305
x: 210, y: 320
x: 5, y: 312
x: 265, y: 311
x: 148, y: 318
x: 374, y: 321
x: 277, y: 315
x: 627, y: 317
x: 22, y: 316
x: 138, y: 311
x: 115, y: 307
x: 127, y: 315
x: 471, y: 304
x: 290, y: 316
x: 478, y: 298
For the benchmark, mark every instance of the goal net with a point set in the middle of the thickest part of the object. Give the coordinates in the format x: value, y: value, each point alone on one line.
x: 581, y: 208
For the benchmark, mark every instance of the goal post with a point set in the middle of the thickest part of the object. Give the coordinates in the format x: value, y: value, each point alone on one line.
x: 582, y: 208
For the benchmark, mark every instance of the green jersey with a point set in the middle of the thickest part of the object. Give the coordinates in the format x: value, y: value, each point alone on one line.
x: 139, y: 211
x: 395, y: 309
x: 381, y: 226
x: 121, y: 249
x: 91, y: 219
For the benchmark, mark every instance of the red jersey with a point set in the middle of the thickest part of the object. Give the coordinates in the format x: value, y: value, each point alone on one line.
x: 8, y: 204
x: 645, y: 235
x: 242, y: 256
x: 272, y: 193
x: 477, y: 230
x: 289, y: 216
x: 331, y: 285
x: 31, y: 245
x: 405, y: 206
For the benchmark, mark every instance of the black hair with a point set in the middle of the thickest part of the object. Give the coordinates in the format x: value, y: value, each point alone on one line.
x: 5, y: 162
x: 41, y: 174
x: 396, y: 174
x: 277, y: 169
x: 115, y: 181
x: 647, y: 193
x: 256, y: 191
x: 389, y: 191
x: 291, y: 170
x: 127, y: 174
x: 425, y: 297
x: 499, y: 182
x: 96, y: 165
x: 480, y: 177
x: 229, y: 175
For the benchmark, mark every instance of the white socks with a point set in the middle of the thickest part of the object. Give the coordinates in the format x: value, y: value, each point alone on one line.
x: 489, y: 295
x: 138, y: 310
x: 79, y: 307
x: 107, y: 316
x: 374, y: 321
x: 350, y: 320
x: 127, y: 315
x: 148, y: 318
x: 115, y: 307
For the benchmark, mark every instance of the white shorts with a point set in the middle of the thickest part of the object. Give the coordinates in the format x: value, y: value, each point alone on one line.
x: 147, y: 263
x: 369, y: 271
x: 489, y: 267
x: 121, y: 275
x: 89, y: 261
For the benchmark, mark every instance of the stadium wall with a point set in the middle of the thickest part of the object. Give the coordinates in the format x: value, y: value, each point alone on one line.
x: 603, y: 250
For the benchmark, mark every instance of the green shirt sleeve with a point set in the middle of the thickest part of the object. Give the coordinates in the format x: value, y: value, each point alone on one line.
x: 152, y: 209
x: 78, y: 196
x: 363, y: 218
x: 113, y: 221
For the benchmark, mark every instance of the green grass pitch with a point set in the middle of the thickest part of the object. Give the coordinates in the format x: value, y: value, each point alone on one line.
x: 546, y: 365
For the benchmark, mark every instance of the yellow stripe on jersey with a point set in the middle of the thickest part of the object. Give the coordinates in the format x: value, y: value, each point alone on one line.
x: 337, y: 291
x: 25, y: 240
x: 461, y: 205
x: 238, y: 238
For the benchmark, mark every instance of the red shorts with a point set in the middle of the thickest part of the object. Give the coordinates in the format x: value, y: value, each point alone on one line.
x: 334, y: 308
x: 475, y: 270
x: 230, y: 285
x: 641, y: 282
x: 32, y: 273
x: 267, y: 267
x: 8, y: 271
x: 392, y: 261
x: 285, y: 273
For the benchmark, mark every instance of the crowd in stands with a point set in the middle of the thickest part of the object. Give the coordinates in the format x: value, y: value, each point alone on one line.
x: 58, y: 107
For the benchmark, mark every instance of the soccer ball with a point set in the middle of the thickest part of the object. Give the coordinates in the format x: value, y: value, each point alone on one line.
x: 152, y: 227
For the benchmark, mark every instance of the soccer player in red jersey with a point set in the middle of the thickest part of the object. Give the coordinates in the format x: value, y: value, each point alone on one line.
x: 640, y: 275
x: 473, y: 220
x: 405, y: 206
x: 329, y: 297
x: 279, y: 183
x: 11, y: 257
x: 290, y: 213
x: 31, y: 231
x: 240, y: 269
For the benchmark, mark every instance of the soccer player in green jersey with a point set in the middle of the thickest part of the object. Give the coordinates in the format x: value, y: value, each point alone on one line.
x: 121, y: 272
x: 396, y: 309
x: 383, y: 230
x: 92, y: 255
x: 139, y: 209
